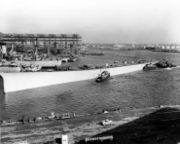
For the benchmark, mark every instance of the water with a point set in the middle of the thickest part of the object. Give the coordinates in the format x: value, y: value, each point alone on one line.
x: 135, y: 90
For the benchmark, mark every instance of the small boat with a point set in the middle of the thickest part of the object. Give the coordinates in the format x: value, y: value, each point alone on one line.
x: 149, y: 66
x: 66, y: 116
x: 168, y: 68
x: 103, y: 76
x: 31, y: 68
x: 106, y: 122
x: 165, y: 64
x: 72, y: 60
x: 7, y: 68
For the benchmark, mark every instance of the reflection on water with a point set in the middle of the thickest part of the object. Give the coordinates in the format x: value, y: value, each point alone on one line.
x: 2, y: 105
x: 138, y: 90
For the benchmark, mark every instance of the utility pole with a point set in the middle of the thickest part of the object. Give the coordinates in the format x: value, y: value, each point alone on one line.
x: 1, y: 54
x: 36, y: 49
x: 48, y: 48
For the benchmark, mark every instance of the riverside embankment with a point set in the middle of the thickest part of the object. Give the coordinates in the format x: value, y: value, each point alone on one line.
x: 154, y: 128
x: 29, y: 80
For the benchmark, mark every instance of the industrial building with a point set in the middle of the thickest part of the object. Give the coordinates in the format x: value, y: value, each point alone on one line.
x: 48, y: 43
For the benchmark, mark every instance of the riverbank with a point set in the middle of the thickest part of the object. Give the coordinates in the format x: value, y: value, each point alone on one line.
x: 77, y: 129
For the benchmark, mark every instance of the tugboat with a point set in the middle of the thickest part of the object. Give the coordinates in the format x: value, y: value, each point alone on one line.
x: 149, y: 66
x: 103, y: 76
x: 160, y: 64
x: 165, y: 64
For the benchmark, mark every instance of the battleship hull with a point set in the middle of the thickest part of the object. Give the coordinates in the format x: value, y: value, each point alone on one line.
x: 28, y: 80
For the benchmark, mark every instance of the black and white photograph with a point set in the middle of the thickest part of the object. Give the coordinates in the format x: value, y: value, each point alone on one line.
x: 89, y: 72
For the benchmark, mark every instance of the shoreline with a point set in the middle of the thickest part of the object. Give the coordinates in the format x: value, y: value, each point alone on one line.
x: 77, y: 128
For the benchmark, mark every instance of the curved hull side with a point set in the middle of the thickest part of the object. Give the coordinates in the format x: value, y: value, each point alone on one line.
x: 28, y: 80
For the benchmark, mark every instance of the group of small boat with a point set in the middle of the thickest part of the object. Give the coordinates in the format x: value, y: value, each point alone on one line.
x: 160, y: 64
x: 12, y: 67
x: 35, y: 66
x: 65, y: 116
x: 105, y: 75
x: 30, y: 68
x: 53, y: 116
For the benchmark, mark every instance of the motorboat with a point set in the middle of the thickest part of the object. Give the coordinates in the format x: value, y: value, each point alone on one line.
x: 31, y: 68
x: 103, y: 76
x: 149, y: 66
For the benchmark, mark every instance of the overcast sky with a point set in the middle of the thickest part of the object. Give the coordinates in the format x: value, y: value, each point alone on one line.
x: 123, y: 21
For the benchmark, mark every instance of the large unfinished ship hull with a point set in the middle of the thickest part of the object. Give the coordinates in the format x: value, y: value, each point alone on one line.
x: 28, y: 80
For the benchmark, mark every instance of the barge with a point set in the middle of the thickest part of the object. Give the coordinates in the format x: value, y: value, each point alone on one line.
x: 29, y: 80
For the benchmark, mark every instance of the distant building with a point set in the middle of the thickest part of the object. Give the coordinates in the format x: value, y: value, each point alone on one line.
x: 59, y: 42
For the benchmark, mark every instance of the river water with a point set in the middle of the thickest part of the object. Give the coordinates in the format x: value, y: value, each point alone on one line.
x: 135, y: 90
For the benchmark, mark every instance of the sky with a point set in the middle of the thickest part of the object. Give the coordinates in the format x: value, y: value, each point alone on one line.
x: 97, y: 21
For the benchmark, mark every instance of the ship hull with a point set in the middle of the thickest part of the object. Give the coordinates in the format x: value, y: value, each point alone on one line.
x: 28, y: 80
